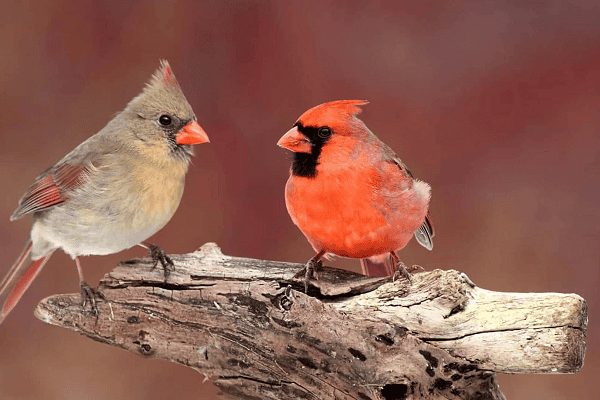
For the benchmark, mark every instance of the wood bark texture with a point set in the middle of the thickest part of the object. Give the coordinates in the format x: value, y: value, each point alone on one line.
x: 248, y: 324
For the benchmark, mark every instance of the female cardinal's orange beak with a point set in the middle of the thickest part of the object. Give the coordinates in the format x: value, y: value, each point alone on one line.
x: 192, y: 133
x: 295, y: 141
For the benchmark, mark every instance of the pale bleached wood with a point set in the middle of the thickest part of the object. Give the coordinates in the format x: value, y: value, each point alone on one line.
x: 504, y: 332
x: 249, y: 323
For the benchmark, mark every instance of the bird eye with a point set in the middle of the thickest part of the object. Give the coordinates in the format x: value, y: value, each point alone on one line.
x: 165, y: 120
x: 324, y: 132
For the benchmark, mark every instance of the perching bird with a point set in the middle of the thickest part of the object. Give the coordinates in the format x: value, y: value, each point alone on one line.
x: 350, y: 194
x: 114, y: 190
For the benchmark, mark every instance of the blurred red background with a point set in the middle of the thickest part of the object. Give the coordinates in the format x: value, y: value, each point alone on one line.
x: 495, y: 104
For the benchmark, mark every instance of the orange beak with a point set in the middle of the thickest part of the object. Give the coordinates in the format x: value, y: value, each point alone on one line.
x: 295, y: 141
x: 192, y: 133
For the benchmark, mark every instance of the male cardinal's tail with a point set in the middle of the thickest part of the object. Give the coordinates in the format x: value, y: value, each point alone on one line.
x: 18, y: 279
x: 376, y: 266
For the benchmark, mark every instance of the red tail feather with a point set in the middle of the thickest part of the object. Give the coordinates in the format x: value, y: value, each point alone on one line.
x: 18, y: 279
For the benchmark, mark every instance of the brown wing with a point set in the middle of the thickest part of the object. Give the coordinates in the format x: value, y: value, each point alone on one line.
x: 51, y: 188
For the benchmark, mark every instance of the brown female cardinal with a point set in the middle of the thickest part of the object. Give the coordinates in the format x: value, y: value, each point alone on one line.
x: 114, y: 190
x: 350, y: 194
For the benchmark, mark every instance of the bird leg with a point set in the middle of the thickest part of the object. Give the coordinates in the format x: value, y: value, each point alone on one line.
x: 88, y: 292
x: 311, y: 270
x: 158, y: 255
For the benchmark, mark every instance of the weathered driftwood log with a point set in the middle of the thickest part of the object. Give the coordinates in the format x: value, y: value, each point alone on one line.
x: 249, y: 323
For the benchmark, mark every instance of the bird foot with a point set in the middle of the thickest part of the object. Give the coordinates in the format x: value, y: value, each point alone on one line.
x: 89, y: 293
x: 311, y: 270
x: 158, y: 255
x: 414, y: 268
x: 402, y: 271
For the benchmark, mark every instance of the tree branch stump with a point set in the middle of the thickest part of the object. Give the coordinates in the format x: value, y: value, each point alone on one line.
x: 249, y: 323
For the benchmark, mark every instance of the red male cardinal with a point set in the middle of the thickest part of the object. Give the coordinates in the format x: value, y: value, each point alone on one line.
x: 114, y: 190
x: 350, y: 194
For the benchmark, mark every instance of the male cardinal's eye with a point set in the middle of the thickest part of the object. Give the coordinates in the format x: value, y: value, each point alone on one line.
x: 165, y: 120
x: 324, y: 132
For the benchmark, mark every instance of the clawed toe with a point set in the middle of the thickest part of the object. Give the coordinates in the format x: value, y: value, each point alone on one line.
x: 401, y: 272
x: 158, y: 255
x: 311, y: 270
x: 89, y: 293
x: 414, y: 268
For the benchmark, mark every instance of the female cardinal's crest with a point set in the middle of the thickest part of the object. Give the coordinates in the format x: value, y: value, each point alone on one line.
x: 161, y: 94
x: 167, y: 74
x: 163, y: 75
x: 168, y: 77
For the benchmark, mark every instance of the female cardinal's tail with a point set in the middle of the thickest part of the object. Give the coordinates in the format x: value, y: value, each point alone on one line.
x: 18, y: 279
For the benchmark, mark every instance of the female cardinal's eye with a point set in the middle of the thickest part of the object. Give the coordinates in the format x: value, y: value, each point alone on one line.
x: 165, y: 120
x: 324, y: 132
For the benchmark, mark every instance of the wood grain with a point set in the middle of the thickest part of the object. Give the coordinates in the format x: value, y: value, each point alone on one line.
x: 248, y: 323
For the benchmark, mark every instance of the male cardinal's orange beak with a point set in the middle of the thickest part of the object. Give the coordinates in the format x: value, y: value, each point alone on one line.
x: 192, y: 133
x: 295, y: 141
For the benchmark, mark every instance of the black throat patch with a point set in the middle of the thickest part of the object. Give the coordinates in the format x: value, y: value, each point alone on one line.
x: 305, y: 164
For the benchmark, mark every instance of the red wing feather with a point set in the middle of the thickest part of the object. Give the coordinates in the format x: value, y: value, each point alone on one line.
x: 51, y: 188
